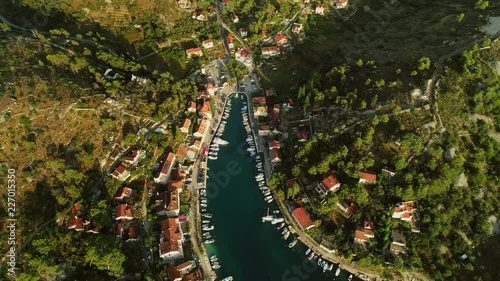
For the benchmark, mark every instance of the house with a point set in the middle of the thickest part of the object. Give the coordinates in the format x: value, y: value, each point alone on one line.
x: 177, y: 272
x: 134, y: 156
x: 407, y: 211
x: 230, y: 41
x: 185, y: 126
x: 236, y: 19
x: 122, y: 193
x: 168, y: 203
x: 398, y: 243
x: 274, y: 144
x: 297, y: 28
x: 367, y: 177
x: 194, y: 52
x: 124, y: 212
x: 242, y: 54
x: 75, y: 221
x: 275, y: 155
x: 202, y: 130
x: 205, y: 109
x: 302, y: 217
x: 328, y: 184
x: 207, y: 44
x: 258, y: 101
x: 196, y: 145
x: 243, y: 32
x: 120, y: 173
x: 348, y: 208
x: 264, y: 130
x: 281, y: 40
x: 270, y: 92
x: 184, y: 4
x: 132, y: 233
x: 388, y: 172
x: 211, y: 89
x: 303, y: 133
x: 364, y: 233
x: 320, y: 9
x: 166, y: 169
x: 274, y: 113
x: 170, y: 247
x: 181, y: 153
x: 271, y: 51
x: 341, y: 4
x: 192, y: 107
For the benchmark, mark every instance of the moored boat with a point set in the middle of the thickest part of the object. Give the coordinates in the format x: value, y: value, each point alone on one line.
x: 337, y: 272
x: 349, y: 278
x: 293, y: 243
x: 209, y: 241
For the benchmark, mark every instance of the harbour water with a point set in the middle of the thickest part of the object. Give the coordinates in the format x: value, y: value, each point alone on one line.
x: 247, y: 248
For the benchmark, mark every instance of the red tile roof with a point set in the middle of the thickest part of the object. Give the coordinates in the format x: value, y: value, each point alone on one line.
x: 280, y: 39
x: 171, y: 235
x: 124, y: 210
x: 329, y: 182
x: 193, y: 50
x: 168, y: 163
x: 368, y: 176
x: 302, y: 217
x: 274, y: 144
x: 186, y: 123
x: 259, y: 100
x: 275, y: 153
x: 123, y: 192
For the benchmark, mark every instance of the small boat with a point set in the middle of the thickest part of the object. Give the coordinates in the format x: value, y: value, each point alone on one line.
x: 214, y: 149
x: 212, y: 157
x: 330, y: 267
x: 261, y: 183
x: 276, y: 212
x: 349, y: 278
x: 320, y: 260
x: 205, y: 221
x: 269, y: 200
x: 337, y: 272
x: 292, y: 243
x: 311, y: 256
x: 252, y: 153
x: 204, y: 201
x: 203, y: 210
x: 216, y: 266
x: 308, y: 251
x: 207, y: 215
x: 205, y: 234
x: 266, y: 193
x: 286, y: 235
x: 229, y: 278
x: 267, y: 217
x: 216, y: 259
x: 213, y: 257
x: 209, y: 241
x: 281, y: 226
x: 325, y: 266
x: 268, y: 197
x: 203, y: 205
x: 208, y: 228
x: 277, y: 220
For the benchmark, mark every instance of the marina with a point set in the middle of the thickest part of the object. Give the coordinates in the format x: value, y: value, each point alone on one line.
x: 252, y: 226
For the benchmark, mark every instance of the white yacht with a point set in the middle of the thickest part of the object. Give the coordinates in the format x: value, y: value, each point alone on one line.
x: 209, y: 241
x: 220, y: 141
x: 207, y: 227
x: 277, y: 220
x: 293, y: 243
x: 267, y: 217
x: 337, y: 272
x: 212, y: 157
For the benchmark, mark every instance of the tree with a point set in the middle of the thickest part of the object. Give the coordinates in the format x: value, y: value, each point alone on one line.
x: 101, y: 214
x: 482, y: 4
x: 460, y: 17
x: 424, y: 63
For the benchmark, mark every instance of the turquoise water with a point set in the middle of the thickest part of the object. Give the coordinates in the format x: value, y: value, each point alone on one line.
x: 247, y: 248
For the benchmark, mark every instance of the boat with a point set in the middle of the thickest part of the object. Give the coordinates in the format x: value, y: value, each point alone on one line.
x: 308, y: 251
x: 284, y: 231
x: 281, y: 225
x: 277, y: 220
x: 207, y: 215
x: 205, y: 221
x: 203, y: 205
x: 349, y: 278
x: 209, y: 241
x: 229, y: 278
x: 212, y: 157
x: 325, y: 266
x: 216, y: 266
x: 268, y: 197
x: 320, y: 260
x: 266, y: 193
x: 220, y: 141
x: 330, y: 267
x: 337, y: 272
x: 208, y: 228
x: 276, y: 212
x: 213, y: 153
x: 213, y: 257
x: 270, y: 200
x: 311, y: 256
x: 214, y: 149
x: 293, y: 243
x: 204, y: 201
x: 206, y: 234
x: 286, y: 235
x: 203, y: 210
x: 267, y: 217
x: 216, y: 259
x: 261, y: 183
x: 252, y: 153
